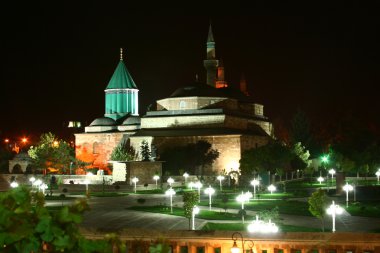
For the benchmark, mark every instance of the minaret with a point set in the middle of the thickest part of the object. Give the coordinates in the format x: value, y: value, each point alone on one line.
x: 243, y: 85
x: 220, y: 81
x: 211, y: 63
x: 121, y: 93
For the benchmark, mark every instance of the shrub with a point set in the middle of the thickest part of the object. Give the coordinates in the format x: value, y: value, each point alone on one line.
x: 64, y: 190
x: 141, y: 200
x: 117, y: 187
x: 62, y: 195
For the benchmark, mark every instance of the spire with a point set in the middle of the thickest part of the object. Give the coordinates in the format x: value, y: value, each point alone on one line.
x: 121, y: 79
x: 210, y: 37
x: 121, y: 54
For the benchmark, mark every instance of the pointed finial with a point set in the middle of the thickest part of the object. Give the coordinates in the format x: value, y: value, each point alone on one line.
x: 210, y: 37
x: 196, y: 77
x: 121, y: 54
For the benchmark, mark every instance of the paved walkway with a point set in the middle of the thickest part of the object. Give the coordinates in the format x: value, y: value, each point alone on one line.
x: 111, y: 214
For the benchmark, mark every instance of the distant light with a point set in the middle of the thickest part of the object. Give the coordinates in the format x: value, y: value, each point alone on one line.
x: 170, y: 181
x: 24, y: 140
x: 6, y: 140
x: 320, y: 180
x: 271, y: 188
x: 325, y: 158
x: 14, y: 184
x: 332, y: 172
x: 156, y: 177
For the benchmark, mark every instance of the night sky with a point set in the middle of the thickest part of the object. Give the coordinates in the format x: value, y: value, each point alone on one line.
x: 58, y: 59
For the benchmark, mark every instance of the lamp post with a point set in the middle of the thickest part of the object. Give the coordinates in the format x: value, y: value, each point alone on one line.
x: 347, y: 188
x: 37, y: 183
x: 135, y: 180
x: 220, y: 178
x: 210, y: 191
x: 320, y: 180
x: 43, y: 188
x: 242, y: 198
x: 185, y: 175
x: 259, y: 226
x: 170, y: 181
x: 254, y: 183
x: 198, y: 185
x: 156, y: 177
x: 14, y: 184
x: 170, y: 193
x: 193, y: 213
x: 271, y: 188
x: 235, y: 248
x: 377, y: 175
x: 333, y: 210
x: 332, y: 172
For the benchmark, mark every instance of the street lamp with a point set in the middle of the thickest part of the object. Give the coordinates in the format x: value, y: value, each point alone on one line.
x: 199, y: 186
x: 320, y: 180
x: 332, y: 172
x: 14, y: 184
x: 43, y: 188
x: 185, y: 175
x: 170, y: 181
x: 333, y: 210
x: 377, y: 175
x: 254, y: 183
x: 135, y: 180
x: 86, y: 183
x: 210, y: 191
x: 235, y: 248
x: 191, y: 185
x: 220, y: 178
x: 325, y: 159
x: 347, y: 188
x: 259, y: 226
x: 170, y: 193
x: 156, y: 177
x: 37, y: 183
x: 271, y: 188
x: 242, y: 198
x: 31, y: 180
x: 193, y: 213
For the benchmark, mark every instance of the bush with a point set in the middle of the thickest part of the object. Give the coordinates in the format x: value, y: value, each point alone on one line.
x: 71, y: 182
x: 117, y: 187
x: 64, y: 190
x: 141, y: 201
x: 62, y: 195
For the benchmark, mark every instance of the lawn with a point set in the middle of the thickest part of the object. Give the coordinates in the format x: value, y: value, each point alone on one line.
x: 203, y: 214
x: 243, y: 227
x: 364, y: 209
x: 284, y: 206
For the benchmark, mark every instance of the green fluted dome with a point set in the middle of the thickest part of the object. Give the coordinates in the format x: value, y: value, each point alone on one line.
x: 121, y: 79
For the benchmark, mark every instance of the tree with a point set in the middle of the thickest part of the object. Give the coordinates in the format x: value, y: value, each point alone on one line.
x: 122, y: 152
x: 190, y: 199
x: 52, y: 153
x: 28, y: 226
x: 193, y: 157
x: 318, y: 205
x: 145, y: 151
x: 300, y: 129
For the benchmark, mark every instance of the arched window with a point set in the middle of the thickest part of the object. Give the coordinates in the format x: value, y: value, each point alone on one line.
x: 182, y: 104
x: 95, y: 148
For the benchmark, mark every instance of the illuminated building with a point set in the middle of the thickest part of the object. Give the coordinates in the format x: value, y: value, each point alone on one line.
x: 213, y: 111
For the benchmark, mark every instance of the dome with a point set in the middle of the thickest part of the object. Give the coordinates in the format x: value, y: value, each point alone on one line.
x: 22, y: 156
x: 204, y: 90
x: 132, y: 120
x: 197, y: 90
x: 103, y: 121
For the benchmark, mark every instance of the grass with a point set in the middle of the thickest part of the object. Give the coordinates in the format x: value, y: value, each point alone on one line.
x: 364, y: 209
x: 284, y: 207
x: 108, y: 194
x: 59, y: 198
x: 243, y: 227
x: 203, y: 214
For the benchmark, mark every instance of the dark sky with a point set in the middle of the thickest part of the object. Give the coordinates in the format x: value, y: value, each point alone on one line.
x: 57, y: 59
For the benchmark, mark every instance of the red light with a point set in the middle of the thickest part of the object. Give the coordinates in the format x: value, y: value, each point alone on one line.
x: 6, y: 140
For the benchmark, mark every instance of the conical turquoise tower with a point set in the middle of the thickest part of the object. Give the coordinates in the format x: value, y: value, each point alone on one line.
x: 121, y: 93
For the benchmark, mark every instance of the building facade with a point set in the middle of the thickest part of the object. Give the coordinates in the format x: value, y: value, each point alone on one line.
x: 225, y: 117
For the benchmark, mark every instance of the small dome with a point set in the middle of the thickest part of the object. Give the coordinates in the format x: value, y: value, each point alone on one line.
x: 196, y: 90
x: 103, y: 121
x: 22, y: 156
x: 132, y: 120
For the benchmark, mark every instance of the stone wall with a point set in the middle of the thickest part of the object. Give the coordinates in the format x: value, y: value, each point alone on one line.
x: 144, y: 171
x: 187, y: 120
x: 96, y: 148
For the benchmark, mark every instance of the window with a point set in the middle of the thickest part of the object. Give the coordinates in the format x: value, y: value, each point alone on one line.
x: 217, y: 250
x: 95, y: 148
x: 182, y: 104
x: 183, y: 249
x: 200, y: 249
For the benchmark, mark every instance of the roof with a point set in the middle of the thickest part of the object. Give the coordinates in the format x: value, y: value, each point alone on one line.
x: 198, y: 89
x: 121, y: 79
x: 210, y: 37
x: 103, y: 121
x: 176, y: 132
